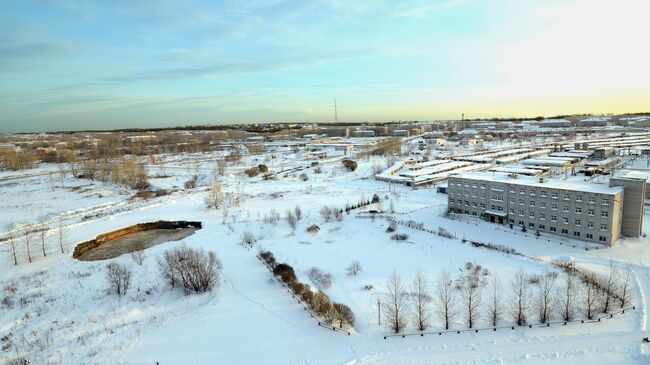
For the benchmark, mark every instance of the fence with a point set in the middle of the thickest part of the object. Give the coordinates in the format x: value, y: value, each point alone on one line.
x: 494, y: 329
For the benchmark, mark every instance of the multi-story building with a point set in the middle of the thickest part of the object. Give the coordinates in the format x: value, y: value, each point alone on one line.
x: 585, y: 211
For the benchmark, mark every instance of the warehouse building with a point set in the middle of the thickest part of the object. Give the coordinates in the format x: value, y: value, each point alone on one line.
x: 585, y: 211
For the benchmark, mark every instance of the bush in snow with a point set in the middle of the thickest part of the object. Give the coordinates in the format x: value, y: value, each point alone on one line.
x: 392, y: 227
x: 349, y: 164
x: 285, y: 273
x: 268, y: 258
x: 262, y: 168
x: 303, y: 177
x: 118, y: 277
x: 190, y: 270
x: 252, y: 172
x: 215, y: 197
x: 321, y: 279
x: 313, y: 228
x: 400, y: 237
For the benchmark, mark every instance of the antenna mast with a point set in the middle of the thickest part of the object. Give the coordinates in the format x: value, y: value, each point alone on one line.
x: 336, y: 115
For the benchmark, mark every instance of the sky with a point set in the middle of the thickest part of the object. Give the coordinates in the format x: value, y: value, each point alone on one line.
x: 96, y: 64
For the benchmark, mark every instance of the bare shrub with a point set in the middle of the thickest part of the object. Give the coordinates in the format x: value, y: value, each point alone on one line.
x: 262, y: 168
x: 322, y: 280
x: 118, y: 277
x: 338, y: 215
x: 291, y: 219
x: 354, y: 268
x: 395, y: 303
x: 326, y: 213
x: 191, y: 183
x: 138, y: 257
x: 297, y: 212
x: 247, y: 239
x: 318, y: 169
x: 272, y: 217
x: 313, y: 228
x: 303, y: 177
x: 285, y: 273
x: 190, y: 270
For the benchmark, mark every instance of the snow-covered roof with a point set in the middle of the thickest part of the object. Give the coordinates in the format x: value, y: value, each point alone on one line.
x: 547, y: 183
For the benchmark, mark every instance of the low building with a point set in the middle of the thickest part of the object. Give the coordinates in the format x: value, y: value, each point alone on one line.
x: 585, y: 211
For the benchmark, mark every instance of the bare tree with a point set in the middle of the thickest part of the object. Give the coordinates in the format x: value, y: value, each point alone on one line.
x: 590, y: 300
x: 215, y: 197
x: 27, y: 231
x: 625, y: 292
x: 421, y: 300
x: 343, y: 314
x: 191, y: 270
x: 138, y: 257
x: 568, y: 298
x: 61, y: 235
x: 545, y: 295
x: 42, y: 231
x: 608, y: 285
x: 11, y: 236
x: 470, y: 289
x: 446, y: 297
x: 519, y: 305
x: 119, y: 278
x: 495, y: 303
x: 396, y: 303
x: 354, y: 268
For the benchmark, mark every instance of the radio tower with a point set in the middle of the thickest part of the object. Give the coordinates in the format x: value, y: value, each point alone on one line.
x: 336, y: 115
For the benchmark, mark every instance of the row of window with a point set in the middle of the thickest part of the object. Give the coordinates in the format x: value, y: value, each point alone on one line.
x: 578, y: 210
x: 542, y: 227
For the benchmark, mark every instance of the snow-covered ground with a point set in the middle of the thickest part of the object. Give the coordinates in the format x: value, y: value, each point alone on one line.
x: 58, y: 311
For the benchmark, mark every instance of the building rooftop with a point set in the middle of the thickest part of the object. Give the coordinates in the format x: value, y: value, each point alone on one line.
x: 547, y: 183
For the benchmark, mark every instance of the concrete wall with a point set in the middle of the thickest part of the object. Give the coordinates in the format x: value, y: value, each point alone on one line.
x: 633, y: 204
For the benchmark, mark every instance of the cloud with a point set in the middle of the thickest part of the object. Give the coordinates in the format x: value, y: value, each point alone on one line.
x: 418, y: 10
x: 12, y: 54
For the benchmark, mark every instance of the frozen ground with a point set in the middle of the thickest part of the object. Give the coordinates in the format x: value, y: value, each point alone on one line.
x: 60, y: 312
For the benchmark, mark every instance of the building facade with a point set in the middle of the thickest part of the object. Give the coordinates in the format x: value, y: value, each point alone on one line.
x: 582, y: 211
